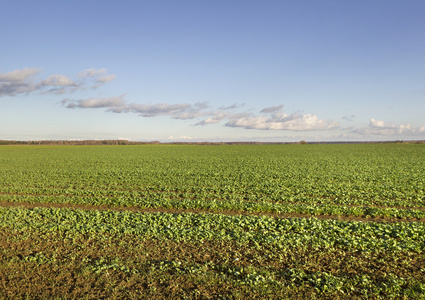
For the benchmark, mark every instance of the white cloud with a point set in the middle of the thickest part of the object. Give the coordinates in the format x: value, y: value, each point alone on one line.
x: 24, y: 82
x: 19, y: 75
x: 270, y: 118
x: 181, y: 111
x: 92, y: 72
x: 272, y: 109
x: 214, y: 117
x: 58, y: 84
x: 57, y: 80
x: 233, y: 106
x: 295, y: 122
x: 153, y: 110
x: 273, y: 118
x: 119, y: 105
x: 18, y: 82
x: 192, y: 112
x: 210, y: 120
x: 99, y: 76
x: 111, y: 102
x: 106, y: 78
x: 378, y: 127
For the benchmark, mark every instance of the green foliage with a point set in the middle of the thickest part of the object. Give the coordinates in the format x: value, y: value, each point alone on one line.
x: 272, y: 241
x: 376, y: 180
x: 235, y: 256
x: 282, y: 234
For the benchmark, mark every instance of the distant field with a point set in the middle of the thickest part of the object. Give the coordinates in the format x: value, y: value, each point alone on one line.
x: 213, y: 221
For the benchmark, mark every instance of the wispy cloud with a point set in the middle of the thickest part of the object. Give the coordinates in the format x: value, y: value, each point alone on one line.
x: 177, y: 111
x: 348, y: 118
x: 181, y: 111
x: 233, y: 106
x: 92, y: 72
x: 272, y: 109
x: 58, y: 84
x: 214, y: 117
x: 18, y: 82
x: 270, y: 118
x: 377, y: 127
x: 57, y: 80
x: 105, y: 78
x: 99, y: 76
x: 24, y: 81
x: 119, y: 105
x: 111, y: 102
x: 19, y: 75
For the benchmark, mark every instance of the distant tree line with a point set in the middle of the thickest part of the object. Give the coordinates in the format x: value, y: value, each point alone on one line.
x: 125, y: 142
x: 75, y: 142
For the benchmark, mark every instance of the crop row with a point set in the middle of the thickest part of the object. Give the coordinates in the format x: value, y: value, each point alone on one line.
x: 364, y: 175
x: 229, y: 205
x: 269, y: 257
x: 279, y: 233
x: 222, y: 194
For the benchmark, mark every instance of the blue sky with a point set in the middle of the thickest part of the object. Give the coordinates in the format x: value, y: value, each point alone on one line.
x: 272, y: 71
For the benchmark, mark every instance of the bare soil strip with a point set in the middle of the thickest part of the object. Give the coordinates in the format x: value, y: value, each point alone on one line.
x: 200, y: 211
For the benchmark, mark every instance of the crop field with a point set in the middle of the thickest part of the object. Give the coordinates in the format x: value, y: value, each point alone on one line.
x: 213, y: 221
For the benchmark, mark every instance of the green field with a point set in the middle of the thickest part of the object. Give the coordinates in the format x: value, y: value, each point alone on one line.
x: 213, y: 221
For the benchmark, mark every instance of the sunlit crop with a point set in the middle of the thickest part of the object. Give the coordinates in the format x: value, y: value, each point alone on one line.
x: 186, y: 221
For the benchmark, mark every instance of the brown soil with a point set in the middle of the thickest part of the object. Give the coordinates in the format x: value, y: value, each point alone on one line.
x: 81, y: 266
